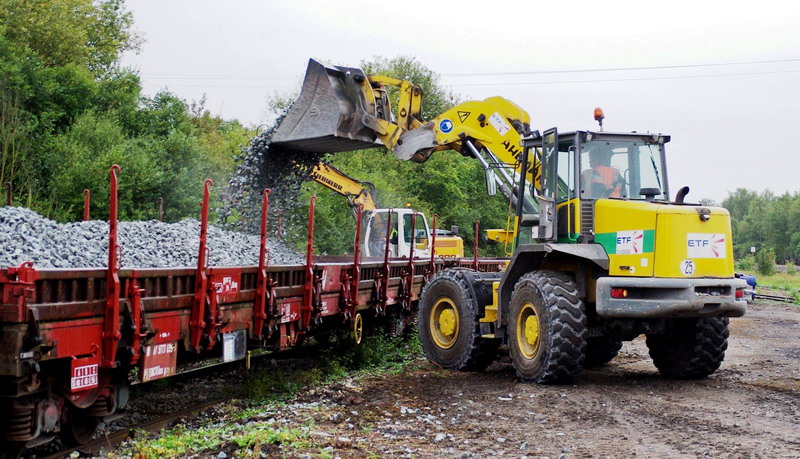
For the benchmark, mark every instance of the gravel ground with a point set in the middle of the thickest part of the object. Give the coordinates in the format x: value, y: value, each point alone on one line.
x: 27, y: 236
x: 749, y: 408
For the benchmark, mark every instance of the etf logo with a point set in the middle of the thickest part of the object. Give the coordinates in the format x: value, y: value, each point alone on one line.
x: 705, y: 245
x: 630, y: 242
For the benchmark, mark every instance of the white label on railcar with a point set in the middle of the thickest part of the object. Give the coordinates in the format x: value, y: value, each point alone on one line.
x: 158, y: 361
x: 84, y: 377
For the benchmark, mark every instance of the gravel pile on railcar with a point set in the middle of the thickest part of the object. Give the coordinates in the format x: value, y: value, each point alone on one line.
x: 27, y: 236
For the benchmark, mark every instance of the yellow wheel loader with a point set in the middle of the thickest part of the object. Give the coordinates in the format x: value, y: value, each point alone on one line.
x: 601, y: 253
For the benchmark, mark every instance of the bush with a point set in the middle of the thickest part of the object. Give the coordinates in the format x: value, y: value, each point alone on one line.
x: 791, y: 268
x: 747, y: 263
x: 765, y: 262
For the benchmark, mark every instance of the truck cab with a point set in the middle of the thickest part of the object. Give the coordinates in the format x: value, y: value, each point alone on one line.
x: 406, y: 233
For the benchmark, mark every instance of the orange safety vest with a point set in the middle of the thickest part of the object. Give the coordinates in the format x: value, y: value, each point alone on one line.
x: 607, y: 176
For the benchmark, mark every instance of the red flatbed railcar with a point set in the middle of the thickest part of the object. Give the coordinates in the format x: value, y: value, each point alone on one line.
x: 70, y: 340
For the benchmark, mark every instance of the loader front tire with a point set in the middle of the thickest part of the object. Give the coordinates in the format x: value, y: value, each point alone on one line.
x: 546, y: 328
x: 690, y: 348
x: 449, y: 327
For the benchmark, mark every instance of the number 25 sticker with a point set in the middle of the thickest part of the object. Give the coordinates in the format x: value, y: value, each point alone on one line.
x: 687, y: 267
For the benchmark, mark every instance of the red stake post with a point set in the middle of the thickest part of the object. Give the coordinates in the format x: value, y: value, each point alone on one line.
x: 357, y: 259
x: 87, y: 198
x: 197, y: 323
x: 432, y: 268
x: 308, y: 288
x: 261, y: 289
x: 111, y: 333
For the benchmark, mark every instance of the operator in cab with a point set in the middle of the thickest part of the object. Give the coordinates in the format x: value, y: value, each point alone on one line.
x: 601, y: 179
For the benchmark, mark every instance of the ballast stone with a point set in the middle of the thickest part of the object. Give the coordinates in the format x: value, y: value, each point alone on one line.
x: 27, y: 236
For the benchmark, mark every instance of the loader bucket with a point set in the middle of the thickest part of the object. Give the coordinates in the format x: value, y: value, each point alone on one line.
x: 326, y: 117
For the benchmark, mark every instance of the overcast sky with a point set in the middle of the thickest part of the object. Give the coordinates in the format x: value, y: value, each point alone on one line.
x: 722, y: 78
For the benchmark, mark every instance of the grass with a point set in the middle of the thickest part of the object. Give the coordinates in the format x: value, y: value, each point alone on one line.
x: 788, y: 281
x: 270, y: 387
x: 181, y: 441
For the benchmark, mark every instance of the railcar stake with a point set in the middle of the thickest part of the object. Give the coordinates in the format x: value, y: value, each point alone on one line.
x: 87, y: 198
x: 111, y: 333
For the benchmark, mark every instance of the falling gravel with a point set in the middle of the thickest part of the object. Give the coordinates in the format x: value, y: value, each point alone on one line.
x: 27, y: 236
x: 264, y: 165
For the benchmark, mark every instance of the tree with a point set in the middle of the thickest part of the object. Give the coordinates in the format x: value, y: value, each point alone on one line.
x: 86, y: 33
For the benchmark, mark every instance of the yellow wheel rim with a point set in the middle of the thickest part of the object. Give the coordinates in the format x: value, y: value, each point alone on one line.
x: 528, y: 335
x: 444, y: 323
x: 358, y: 328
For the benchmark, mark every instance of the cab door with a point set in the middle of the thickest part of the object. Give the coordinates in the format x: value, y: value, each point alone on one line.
x: 548, y: 217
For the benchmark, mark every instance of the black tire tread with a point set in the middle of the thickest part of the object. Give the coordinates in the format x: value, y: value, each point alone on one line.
x: 567, y: 321
x: 691, y: 348
x: 476, y: 353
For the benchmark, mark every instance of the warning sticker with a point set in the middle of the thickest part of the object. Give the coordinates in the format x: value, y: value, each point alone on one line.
x: 499, y: 123
x: 705, y: 245
x: 463, y: 116
x: 630, y: 242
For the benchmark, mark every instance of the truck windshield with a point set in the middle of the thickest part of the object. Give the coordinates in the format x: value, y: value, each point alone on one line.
x: 621, y: 169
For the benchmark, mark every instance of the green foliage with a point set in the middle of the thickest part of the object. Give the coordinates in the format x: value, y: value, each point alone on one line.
x: 747, y: 263
x: 86, y: 33
x: 764, y: 220
x: 68, y: 112
x: 376, y: 353
x: 765, y: 262
x: 791, y: 268
x: 180, y: 441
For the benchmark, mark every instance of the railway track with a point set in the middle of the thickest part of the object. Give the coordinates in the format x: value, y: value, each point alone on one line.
x: 785, y: 299
x: 116, y: 438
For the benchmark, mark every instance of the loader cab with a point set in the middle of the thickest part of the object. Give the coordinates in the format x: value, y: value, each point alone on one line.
x: 405, y: 228
x: 581, y: 167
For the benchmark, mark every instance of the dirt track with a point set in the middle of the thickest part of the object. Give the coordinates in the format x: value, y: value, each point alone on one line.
x: 750, y: 407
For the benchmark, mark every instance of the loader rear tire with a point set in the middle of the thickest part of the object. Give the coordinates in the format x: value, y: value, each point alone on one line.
x: 600, y: 351
x: 690, y: 348
x: 546, y: 328
x: 449, y: 327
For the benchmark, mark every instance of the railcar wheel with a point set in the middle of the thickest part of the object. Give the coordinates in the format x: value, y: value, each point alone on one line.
x: 79, y: 427
x: 449, y: 327
x: 357, y: 332
x: 547, y: 328
x: 691, y: 348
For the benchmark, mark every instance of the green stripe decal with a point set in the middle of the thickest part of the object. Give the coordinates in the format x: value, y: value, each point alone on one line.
x: 628, y: 242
